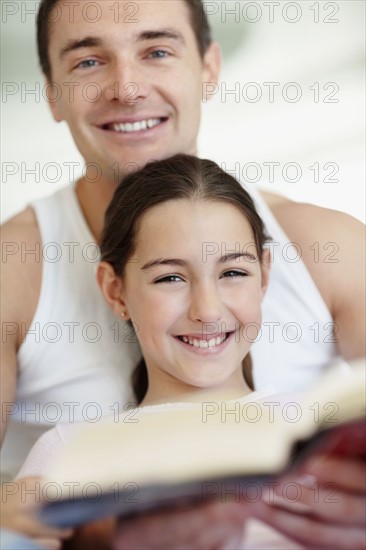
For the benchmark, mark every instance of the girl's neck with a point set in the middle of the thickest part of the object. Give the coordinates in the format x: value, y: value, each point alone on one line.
x: 180, y: 393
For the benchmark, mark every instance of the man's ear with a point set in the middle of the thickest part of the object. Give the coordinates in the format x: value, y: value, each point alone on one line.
x: 112, y: 289
x: 265, y: 269
x: 53, y: 98
x: 211, y: 70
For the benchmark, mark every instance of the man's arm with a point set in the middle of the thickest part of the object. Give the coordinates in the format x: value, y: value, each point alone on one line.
x: 8, y: 378
x: 18, y: 513
x: 211, y: 525
x: 21, y: 272
x: 333, y: 250
x: 20, y: 286
x: 332, y: 491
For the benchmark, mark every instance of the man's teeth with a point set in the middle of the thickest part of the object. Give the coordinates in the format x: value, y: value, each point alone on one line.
x: 136, y: 126
x: 204, y: 343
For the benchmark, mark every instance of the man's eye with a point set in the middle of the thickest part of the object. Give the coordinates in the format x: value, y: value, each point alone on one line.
x: 87, y: 63
x: 159, y: 54
x: 169, y: 279
x: 232, y: 273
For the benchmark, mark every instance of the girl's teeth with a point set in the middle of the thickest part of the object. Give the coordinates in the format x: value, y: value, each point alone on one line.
x: 204, y: 343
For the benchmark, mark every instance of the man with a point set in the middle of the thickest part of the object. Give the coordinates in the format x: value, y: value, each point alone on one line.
x: 147, y: 69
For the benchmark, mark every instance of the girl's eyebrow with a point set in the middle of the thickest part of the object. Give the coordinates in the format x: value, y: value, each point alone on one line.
x: 232, y: 256
x: 164, y: 261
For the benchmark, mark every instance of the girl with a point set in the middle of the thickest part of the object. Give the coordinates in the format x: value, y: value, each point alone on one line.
x: 183, y: 261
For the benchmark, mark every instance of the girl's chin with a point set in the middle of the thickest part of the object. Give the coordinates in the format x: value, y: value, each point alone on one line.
x: 212, y: 385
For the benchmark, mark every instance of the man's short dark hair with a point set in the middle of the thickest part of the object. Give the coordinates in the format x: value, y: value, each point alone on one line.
x: 198, y: 19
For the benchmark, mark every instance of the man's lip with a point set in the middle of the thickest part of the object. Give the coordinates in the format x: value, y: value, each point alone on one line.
x: 129, y: 120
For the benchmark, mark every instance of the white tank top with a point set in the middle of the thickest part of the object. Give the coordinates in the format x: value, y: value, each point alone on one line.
x: 296, y: 343
x: 77, y: 357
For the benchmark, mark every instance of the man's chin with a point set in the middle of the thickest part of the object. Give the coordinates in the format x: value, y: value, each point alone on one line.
x: 118, y: 170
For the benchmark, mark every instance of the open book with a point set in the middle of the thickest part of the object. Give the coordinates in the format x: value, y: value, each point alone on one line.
x: 169, y: 457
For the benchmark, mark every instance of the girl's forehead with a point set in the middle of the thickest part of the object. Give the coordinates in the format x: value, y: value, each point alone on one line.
x: 198, y: 208
x: 185, y: 223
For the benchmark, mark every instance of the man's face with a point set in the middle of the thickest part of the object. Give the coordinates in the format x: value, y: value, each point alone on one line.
x: 131, y: 80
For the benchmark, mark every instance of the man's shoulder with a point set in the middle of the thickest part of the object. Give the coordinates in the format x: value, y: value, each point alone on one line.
x: 330, y: 242
x: 21, y: 227
x: 21, y: 266
x: 303, y: 221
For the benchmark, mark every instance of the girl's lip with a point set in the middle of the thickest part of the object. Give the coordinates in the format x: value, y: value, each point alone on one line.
x: 203, y: 335
x: 207, y: 350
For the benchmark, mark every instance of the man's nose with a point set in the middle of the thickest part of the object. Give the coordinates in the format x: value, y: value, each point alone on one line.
x: 126, y: 83
x: 206, y: 304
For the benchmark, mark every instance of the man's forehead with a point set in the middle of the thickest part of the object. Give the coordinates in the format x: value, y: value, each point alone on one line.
x: 128, y: 13
x: 106, y: 20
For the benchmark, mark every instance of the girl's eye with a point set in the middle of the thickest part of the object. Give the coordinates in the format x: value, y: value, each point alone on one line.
x: 169, y: 279
x: 87, y: 63
x: 232, y: 273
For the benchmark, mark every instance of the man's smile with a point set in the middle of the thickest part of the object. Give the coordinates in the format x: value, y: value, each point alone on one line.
x: 132, y: 125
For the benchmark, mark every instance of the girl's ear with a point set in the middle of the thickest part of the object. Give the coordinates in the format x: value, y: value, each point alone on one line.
x: 112, y: 289
x: 265, y: 269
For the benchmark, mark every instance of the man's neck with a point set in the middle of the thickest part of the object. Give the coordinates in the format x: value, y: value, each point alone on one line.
x: 94, y: 199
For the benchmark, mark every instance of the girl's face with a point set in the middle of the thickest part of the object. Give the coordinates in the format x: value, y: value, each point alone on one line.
x: 193, y: 290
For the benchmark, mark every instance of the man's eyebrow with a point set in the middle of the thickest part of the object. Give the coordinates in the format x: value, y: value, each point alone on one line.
x: 93, y: 41
x: 164, y: 261
x: 232, y: 256
x: 87, y: 42
x: 169, y: 33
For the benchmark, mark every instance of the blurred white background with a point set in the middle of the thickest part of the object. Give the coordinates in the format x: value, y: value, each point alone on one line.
x: 297, y: 69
